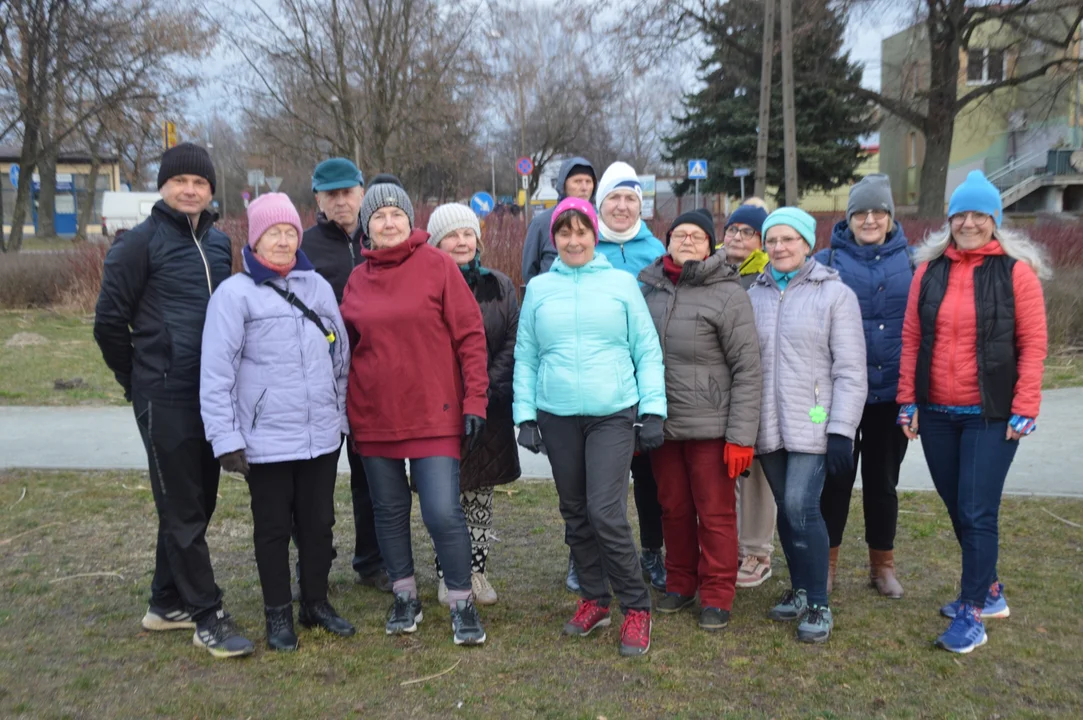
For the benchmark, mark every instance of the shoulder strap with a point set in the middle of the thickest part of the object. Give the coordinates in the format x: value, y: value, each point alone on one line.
x: 305, y: 310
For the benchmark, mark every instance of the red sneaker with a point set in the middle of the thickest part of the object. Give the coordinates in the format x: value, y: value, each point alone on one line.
x: 635, y: 633
x: 588, y: 615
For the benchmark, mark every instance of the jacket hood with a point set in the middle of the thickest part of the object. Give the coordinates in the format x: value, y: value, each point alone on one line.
x: 812, y: 271
x: 597, y: 264
x: 842, y: 238
x: 261, y: 274
x: 713, y: 270
x: 566, y: 167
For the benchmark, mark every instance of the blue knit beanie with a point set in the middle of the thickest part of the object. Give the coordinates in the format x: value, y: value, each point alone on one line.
x: 977, y: 194
x: 750, y: 215
x: 793, y: 217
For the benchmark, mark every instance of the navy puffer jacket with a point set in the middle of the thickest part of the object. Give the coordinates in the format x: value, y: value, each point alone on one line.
x: 880, y: 276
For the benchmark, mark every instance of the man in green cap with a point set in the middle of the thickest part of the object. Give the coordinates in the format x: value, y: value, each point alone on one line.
x: 333, y: 245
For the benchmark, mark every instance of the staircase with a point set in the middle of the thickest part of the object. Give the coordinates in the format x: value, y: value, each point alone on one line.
x: 1020, y: 176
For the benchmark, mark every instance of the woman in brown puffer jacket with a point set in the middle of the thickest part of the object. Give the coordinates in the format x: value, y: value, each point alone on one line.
x: 713, y: 387
x: 454, y: 228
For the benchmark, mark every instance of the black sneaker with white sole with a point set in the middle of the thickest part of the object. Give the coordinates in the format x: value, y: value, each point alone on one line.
x: 161, y: 620
x: 404, y: 615
x: 466, y: 624
x: 218, y: 636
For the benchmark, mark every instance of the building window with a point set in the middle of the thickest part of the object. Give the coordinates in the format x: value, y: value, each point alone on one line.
x: 984, y: 66
x: 912, y: 146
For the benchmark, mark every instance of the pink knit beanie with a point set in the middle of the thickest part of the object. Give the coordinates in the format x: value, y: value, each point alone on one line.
x: 574, y: 203
x: 269, y: 210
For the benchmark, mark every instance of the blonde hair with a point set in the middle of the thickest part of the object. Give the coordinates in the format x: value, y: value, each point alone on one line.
x: 755, y: 202
x: 1016, y: 243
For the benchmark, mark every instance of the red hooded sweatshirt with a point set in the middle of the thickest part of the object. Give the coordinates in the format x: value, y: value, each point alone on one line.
x: 418, y: 357
x: 953, y: 377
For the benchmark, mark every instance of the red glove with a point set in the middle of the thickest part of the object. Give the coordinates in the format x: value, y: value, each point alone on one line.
x: 738, y: 458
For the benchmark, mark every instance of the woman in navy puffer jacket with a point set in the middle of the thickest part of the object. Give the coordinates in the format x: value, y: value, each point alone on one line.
x: 869, y: 250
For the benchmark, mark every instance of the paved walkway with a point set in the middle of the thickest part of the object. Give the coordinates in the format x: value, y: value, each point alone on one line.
x: 1050, y: 462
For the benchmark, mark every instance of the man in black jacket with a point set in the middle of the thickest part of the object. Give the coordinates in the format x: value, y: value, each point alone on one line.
x: 148, y: 322
x: 334, y: 245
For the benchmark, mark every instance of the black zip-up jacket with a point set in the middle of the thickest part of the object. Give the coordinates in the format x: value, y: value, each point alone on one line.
x: 148, y: 322
x: 332, y: 252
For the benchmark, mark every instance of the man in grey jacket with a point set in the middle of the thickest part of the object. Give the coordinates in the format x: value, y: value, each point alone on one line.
x: 575, y: 179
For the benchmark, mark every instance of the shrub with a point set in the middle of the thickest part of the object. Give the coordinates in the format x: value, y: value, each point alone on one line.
x: 30, y: 280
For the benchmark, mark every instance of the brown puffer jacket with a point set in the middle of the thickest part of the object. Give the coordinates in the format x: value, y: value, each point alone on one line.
x: 711, y: 349
x: 496, y: 459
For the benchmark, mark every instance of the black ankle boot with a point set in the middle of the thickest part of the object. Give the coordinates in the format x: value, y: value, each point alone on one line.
x: 321, y: 614
x: 280, y: 634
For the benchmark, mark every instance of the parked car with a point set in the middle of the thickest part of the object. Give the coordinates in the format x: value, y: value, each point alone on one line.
x: 124, y: 210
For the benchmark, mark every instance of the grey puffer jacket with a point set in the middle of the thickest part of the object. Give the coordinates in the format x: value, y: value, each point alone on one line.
x: 711, y: 351
x: 813, y: 349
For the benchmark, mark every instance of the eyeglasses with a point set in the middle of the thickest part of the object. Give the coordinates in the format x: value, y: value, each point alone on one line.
x: 876, y: 214
x: 745, y: 232
x: 698, y: 238
x: 788, y: 241
x: 978, y: 218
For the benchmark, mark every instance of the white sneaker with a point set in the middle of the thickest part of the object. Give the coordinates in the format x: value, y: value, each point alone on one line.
x: 441, y: 592
x: 162, y: 620
x: 484, y: 594
x: 753, y: 572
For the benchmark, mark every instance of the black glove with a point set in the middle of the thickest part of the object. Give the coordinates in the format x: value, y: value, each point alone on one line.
x: 530, y: 437
x: 472, y: 428
x: 650, y: 433
x: 235, y: 462
x: 840, y: 454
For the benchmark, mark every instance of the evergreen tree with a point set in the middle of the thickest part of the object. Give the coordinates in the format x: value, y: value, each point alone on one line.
x: 720, y: 121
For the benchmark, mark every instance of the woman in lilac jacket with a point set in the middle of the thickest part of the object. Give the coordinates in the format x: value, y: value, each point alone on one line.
x: 273, y: 400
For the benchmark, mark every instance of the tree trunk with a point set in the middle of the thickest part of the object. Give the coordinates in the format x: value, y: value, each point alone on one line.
x: 939, y: 127
x: 3, y: 244
x: 22, y: 195
x: 47, y: 193
x: 87, y: 210
x: 939, y: 131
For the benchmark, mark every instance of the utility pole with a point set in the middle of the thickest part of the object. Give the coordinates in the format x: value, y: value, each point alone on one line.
x: 760, y: 188
x: 789, y: 122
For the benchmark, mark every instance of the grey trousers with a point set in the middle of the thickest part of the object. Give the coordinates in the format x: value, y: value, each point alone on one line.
x: 591, y: 458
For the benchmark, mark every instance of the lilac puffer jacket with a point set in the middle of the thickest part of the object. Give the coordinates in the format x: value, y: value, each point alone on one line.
x: 271, y: 384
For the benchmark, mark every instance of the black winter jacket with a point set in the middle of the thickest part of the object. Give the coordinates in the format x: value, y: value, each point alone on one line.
x: 333, y: 253
x: 157, y: 280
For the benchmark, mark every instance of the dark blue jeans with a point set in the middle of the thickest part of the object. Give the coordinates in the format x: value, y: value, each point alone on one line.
x: 968, y: 459
x: 437, y: 482
x: 796, y: 481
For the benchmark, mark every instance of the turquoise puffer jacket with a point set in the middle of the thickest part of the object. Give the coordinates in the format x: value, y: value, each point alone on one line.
x: 635, y: 254
x: 586, y: 345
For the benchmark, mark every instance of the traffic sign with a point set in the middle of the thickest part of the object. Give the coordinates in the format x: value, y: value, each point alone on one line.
x: 697, y: 169
x: 169, y: 134
x: 273, y: 183
x: 246, y: 196
x: 482, y: 203
x: 255, y: 178
x: 13, y: 174
x: 524, y: 166
x: 741, y: 172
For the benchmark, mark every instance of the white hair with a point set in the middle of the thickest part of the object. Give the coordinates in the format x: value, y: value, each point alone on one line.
x: 1016, y: 243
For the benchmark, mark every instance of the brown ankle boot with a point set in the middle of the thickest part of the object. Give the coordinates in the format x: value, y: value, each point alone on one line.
x: 882, y: 573
x: 832, y: 566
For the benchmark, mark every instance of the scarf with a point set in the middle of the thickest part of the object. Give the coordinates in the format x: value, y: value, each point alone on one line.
x: 474, y: 270
x: 671, y: 269
x: 282, y: 270
x: 618, y: 237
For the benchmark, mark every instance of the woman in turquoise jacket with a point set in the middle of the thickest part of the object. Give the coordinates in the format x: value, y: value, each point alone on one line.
x: 628, y: 244
x: 588, y: 376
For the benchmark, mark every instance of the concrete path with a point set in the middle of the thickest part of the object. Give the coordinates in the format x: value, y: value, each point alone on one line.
x: 1050, y: 462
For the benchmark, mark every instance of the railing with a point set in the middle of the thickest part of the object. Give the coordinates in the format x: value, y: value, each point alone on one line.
x: 1019, y: 169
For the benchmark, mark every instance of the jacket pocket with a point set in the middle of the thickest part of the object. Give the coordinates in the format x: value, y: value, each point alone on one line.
x: 257, y: 409
x: 714, y: 392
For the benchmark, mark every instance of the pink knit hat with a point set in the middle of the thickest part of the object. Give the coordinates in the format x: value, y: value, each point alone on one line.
x: 574, y: 203
x: 269, y: 210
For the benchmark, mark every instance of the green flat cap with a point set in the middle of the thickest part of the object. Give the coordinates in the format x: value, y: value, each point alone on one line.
x: 335, y: 174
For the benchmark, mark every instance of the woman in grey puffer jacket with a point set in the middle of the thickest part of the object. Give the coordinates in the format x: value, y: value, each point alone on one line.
x: 273, y: 394
x: 814, y: 387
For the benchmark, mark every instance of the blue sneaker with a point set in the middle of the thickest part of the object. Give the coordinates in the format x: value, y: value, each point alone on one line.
x: 965, y: 633
x: 792, y: 606
x: 996, y: 605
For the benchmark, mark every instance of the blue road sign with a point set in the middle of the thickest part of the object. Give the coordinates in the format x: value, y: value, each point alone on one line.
x: 741, y: 172
x: 13, y: 174
x: 482, y: 203
x: 697, y: 169
x: 524, y: 165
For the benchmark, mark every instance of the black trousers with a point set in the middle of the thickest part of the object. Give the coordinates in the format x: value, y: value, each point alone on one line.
x: 366, y: 550
x: 881, y: 446
x: 298, y: 495
x: 590, y: 457
x: 647, y: 506
x: 184, y: 480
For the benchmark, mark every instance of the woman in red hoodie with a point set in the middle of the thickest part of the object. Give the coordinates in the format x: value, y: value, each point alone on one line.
x: 974, y: 343
x: 417, y: 385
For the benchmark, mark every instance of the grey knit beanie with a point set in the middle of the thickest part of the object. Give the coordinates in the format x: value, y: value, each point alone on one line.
x: 450, y: 217
x: 872, y: 192
x: 381, y: 196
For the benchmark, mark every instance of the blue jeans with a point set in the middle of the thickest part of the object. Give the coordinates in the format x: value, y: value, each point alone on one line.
x: 796, y: 481
x: 437, y: 482
x: 968, y: 459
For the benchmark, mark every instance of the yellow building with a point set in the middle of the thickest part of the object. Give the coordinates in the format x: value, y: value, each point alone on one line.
x: 834, y: 201
x: 72, y: 175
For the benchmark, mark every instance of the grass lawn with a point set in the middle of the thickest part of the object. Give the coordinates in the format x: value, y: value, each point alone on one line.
x: 65, y: 350
x: 72, y: 646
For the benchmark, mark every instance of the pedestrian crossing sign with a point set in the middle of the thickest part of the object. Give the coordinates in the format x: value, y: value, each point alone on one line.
x: 697, y: 169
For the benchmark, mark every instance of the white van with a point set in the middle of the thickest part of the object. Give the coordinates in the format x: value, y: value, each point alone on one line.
x: 125, y: 210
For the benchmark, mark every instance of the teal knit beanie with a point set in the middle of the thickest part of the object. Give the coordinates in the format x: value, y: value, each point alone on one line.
x: 793, y: 217
x: 977, y: 194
